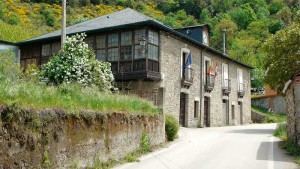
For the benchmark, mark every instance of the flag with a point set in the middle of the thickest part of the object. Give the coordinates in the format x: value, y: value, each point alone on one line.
x: 216, y: 70
x: 211, y: 70
x: 188, y: 60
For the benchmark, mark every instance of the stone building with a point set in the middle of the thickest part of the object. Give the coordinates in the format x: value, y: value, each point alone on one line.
x: 292, y: 96
x: 175, y: 68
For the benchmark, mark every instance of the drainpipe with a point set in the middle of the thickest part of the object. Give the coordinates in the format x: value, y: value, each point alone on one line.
x: 224, y: 41
x: 201, y: 85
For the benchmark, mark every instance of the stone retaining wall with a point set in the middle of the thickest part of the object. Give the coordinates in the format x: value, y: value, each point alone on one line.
x: 54, y: 139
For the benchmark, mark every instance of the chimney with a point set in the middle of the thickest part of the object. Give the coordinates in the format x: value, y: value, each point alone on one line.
x: 224, y: 41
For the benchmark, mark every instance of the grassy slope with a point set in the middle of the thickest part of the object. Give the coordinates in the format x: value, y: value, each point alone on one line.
x: 71, y: 98
x: 271, y: 118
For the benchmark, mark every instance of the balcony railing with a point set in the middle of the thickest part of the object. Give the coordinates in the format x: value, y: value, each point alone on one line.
x: 187, y: 77
x: 241, y: 89
x: 209, y: 82
x: 226, y: 86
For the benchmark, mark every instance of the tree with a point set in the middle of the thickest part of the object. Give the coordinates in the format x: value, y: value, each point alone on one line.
x: 231, y: 30
x: 243, y: 15
x: 283, y: 56
x: 77, y: 64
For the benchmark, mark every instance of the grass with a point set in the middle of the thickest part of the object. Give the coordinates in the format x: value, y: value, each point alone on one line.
x: 71, y: 98
x: 288, y: 144
x: 271, y: 117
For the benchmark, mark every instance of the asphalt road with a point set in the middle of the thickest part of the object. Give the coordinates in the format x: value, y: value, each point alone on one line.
x: 239, y: 147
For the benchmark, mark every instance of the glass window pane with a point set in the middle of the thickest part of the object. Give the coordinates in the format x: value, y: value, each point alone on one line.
x: 152, y: 52
x: 55, y: 48
x: 139, y: 34
x: 153, y: 37
x: 139, y: 53
x: 113, y: 40
x: 46, y: 50
x: 101, y: 55
x: 126, y: 38
x: 89, y: 41
x: 113, y: 54
x: 125, y: 53
x: 101, y: 41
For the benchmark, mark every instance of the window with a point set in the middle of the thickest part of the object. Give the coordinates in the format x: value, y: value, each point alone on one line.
x: 89, y: 41
x: 126, y: 46
x: 152, y: 52
x: 196, y: 109
x: 100, y: 45
x: 55, y: 48
x: 139, y: 52
x: 126, y: 38
x: 101, y: 55
x: 240, y: 79
x: 101, y: 40
x: 225, y: 75
x: 207, y: 63
x: 113, y: 54
x: 138, y: 35
x: 113, y: 40
x: 153, y: 37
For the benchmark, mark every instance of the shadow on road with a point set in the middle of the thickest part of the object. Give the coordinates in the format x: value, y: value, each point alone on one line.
x: 253, y: 131
x: 263, y: 152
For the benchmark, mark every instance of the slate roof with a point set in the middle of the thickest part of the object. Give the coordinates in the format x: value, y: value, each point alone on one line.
x: 122, y: 19
x: 119, y: 18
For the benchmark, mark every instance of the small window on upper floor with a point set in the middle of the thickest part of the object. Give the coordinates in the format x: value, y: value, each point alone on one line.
x: 225, y: 75
x: 55, y: 48
x: 113, y: 40
x: 153, y: 37
x: 100, y: 41
x: 46, y: 50
x: 90, y: 41
x: 138, y: 35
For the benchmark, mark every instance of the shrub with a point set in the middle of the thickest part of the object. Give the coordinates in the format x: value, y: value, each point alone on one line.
x: 145, y: 145
x: 171, y: 127
x: 281, y: 131
x: 77, y: 63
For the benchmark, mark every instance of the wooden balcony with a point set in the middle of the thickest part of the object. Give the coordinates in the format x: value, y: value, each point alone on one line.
x: 209, y: 83
x: 241, y: 90
x: 187, y: 77
x: 136, y: 70
x: 226, y: 86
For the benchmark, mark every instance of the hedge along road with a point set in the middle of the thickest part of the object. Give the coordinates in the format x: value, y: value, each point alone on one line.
x: 238, y: 147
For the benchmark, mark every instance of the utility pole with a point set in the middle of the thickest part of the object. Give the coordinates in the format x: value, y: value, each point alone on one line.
x: 63, y: 24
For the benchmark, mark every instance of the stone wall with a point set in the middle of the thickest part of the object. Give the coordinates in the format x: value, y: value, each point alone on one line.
x: 276, y: 103
x: 54, y: 139
x: 257, y: 117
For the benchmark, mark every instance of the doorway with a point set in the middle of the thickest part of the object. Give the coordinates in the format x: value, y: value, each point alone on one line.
x: 182, y: 109
x: 240, y: 112
x: 206, y: 117
x: 225, y: 112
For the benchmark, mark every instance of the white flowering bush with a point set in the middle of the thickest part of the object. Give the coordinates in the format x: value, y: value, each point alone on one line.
x: 77, y: 63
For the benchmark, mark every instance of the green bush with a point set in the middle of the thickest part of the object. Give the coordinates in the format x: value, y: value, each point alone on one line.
x: 77, y: 63
x: 171, y: 127
x: 145, y: 145
x: 281, y: 131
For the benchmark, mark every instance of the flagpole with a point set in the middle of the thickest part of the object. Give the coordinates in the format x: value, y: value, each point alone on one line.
x: 63, y: 27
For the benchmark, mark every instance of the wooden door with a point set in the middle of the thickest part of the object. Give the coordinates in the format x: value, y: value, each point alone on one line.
x: 225, y: 112
x: 206, y: 112
x: 240, y: 109
x: 182, y: 110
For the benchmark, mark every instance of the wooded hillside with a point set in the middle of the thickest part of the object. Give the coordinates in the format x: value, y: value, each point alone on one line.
x: 248, y: 22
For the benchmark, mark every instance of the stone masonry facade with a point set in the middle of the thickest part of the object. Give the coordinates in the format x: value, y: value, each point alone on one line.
x: 171, y: 49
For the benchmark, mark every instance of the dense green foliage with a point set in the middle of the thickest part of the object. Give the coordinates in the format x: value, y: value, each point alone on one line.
x: 77, y: 63
x: 283, y: 60
x: 9, y: 69
x: 171, y: 127
x: 248, y: 22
